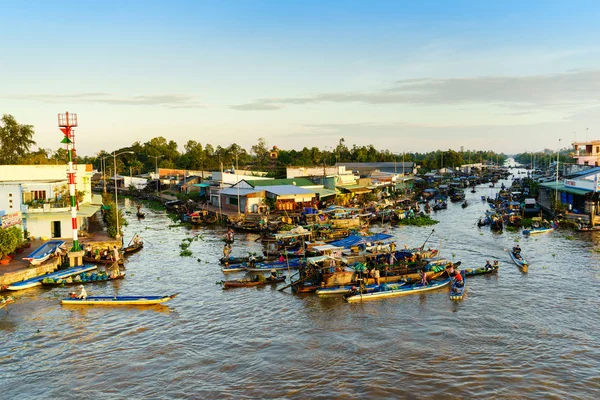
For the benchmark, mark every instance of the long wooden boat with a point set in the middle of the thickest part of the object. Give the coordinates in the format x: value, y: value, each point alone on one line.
x: 84, y: 280
x: 457, y: 292
x: 101, y: 261
x: 520, y: 261
x: 535, y: 231
x: 37, y: 281
x: 342, y: 290
x: 582, y: 228
x: 134, y: 248
x: 140, y: 215
x: 233, y: 268
x: 44, y: 252
x: 248, y: 283
x: 119, y: 300
x: 276, y: 265
x: 245, y: 259
x: 481, y: 271
x: 400, y: 291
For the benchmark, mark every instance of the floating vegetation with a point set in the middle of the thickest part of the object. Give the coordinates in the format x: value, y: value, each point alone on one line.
x: 418, y: 221
x: 511, y: 229
x: 553, y: 254
x: 569, y: 237
x: 185, y: 253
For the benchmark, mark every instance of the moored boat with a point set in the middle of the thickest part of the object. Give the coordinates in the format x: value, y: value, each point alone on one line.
x: 37, y: 281
x: 119, y: 300
x: 85, y: 278
x: 535, y: 231
x: 277, y: 265
x: 249, y: 283
x: 383, y: 292
x: 44, y: 252
x: 101, y: 261
x: 341, y: 290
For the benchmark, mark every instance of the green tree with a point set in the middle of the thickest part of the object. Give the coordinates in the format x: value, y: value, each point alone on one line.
x: 261, y: 152
x: 15, y: 140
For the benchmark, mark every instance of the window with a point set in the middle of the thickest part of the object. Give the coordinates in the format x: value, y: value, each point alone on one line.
x: 34, y: 195
x: 233, y: 201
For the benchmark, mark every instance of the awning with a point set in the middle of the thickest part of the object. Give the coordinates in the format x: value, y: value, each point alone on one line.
x: 85, y: 211
x: 568, y: 189
x: 202, y: 185
x: 355, y: 189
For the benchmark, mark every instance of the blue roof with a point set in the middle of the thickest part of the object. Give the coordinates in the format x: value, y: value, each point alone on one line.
x: 590, y: 171
x: 356, y: 240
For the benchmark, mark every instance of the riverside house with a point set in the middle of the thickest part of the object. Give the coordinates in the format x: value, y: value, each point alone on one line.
x: 40, y: 193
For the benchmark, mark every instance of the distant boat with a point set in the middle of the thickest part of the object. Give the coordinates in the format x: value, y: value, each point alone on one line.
x: 44, y: 252
x: 400, y: 291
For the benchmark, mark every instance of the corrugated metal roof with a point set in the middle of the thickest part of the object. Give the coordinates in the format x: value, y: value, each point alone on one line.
x: 562, y: 188
x: 280, y: 182
x: 288, y: 189
x: 236, y: 191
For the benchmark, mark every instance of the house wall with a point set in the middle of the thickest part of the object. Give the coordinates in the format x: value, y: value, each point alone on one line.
x: 10, y: 197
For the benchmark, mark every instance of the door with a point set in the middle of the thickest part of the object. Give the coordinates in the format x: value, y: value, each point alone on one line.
x: 56, y: 229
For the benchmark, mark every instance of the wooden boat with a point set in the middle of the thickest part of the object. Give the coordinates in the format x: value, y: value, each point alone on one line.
x: 520, y: 261
x: 248, y: 283
x: 342, y: 290
x: 37, y: 281
x: 535, y: 231
x: 457, y: 292
x: 44, y: 252
x: 101, y: 261
x: 233, y: 268
x: 245, y: 259
x: 277, y: 265
x: 140, y: 215
x: 481, y: 271
x: 400, y: 291
x: 465, y: 204
x: 582, y: 228
x: 84, y: 280
x: 119, y: 300
x: 133, y: 248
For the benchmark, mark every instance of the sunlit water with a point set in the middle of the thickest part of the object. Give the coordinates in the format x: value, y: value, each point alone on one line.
x: 514, y: 335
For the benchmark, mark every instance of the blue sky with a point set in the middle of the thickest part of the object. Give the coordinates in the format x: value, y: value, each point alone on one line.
x: 511, y: 76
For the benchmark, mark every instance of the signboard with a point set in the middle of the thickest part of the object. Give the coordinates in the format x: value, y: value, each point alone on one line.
x: 11, y: 219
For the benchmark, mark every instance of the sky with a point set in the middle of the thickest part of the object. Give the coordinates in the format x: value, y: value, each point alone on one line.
x: 406, y: 76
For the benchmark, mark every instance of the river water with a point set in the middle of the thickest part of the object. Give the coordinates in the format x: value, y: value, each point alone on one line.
x: 514, y: 335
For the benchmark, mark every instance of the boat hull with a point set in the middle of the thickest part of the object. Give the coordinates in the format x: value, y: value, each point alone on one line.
x: 241, y: 283
x: 480, y: 271
x: 521, y: 263
x: 37, y: 281
x: 119, y: 300
x: 402, y: 291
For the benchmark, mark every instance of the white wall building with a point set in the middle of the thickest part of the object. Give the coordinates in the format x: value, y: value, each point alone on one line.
x: 41, y: 193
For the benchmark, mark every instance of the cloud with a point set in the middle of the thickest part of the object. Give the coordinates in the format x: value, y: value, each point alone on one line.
x: 257, y: 106
x: 550, y: 90
x: 166, y: 100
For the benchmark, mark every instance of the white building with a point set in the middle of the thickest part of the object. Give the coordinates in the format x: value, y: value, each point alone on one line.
x: 41, y: 194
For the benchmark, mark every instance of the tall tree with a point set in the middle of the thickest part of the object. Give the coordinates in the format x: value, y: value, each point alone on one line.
x: 15, y: 140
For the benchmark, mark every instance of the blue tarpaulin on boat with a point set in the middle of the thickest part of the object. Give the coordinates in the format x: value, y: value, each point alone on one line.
x: 355, y: 240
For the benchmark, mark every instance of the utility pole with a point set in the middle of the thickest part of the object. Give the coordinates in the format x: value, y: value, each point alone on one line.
x: 556, y: 187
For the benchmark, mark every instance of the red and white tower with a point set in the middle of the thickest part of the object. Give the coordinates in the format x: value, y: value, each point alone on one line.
x: 67, y: 122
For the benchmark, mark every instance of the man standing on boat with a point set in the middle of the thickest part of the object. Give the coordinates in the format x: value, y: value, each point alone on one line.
x: 115, y: 267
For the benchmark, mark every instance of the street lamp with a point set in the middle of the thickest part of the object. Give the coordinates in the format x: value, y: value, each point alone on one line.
x: 103, y: 168
x: 156, y: 169
x: 118, y: 235
x: 556, y: 198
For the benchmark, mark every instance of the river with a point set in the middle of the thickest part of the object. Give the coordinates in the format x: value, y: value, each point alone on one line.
x: 514, y: 335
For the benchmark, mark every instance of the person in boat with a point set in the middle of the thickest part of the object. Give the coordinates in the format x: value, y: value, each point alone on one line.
x: 424, y: 279
x: 458, y: 279
x: 229, y: 236
x: 251, y: 261
x: 82, y: 293
x: 115, y: 254
x: 487, y: 265
x: 104, y: 255
x: 517, y: 250
x: 137, y: 240
x: 260, y: 278
x: 273, y: 275
x: 376, y: 275
x: 88, y: 250
x: 393, y: 247
x: 281, y: 258
x: 450, y: 269
x: 226, y: 250
x: 495, y: 263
